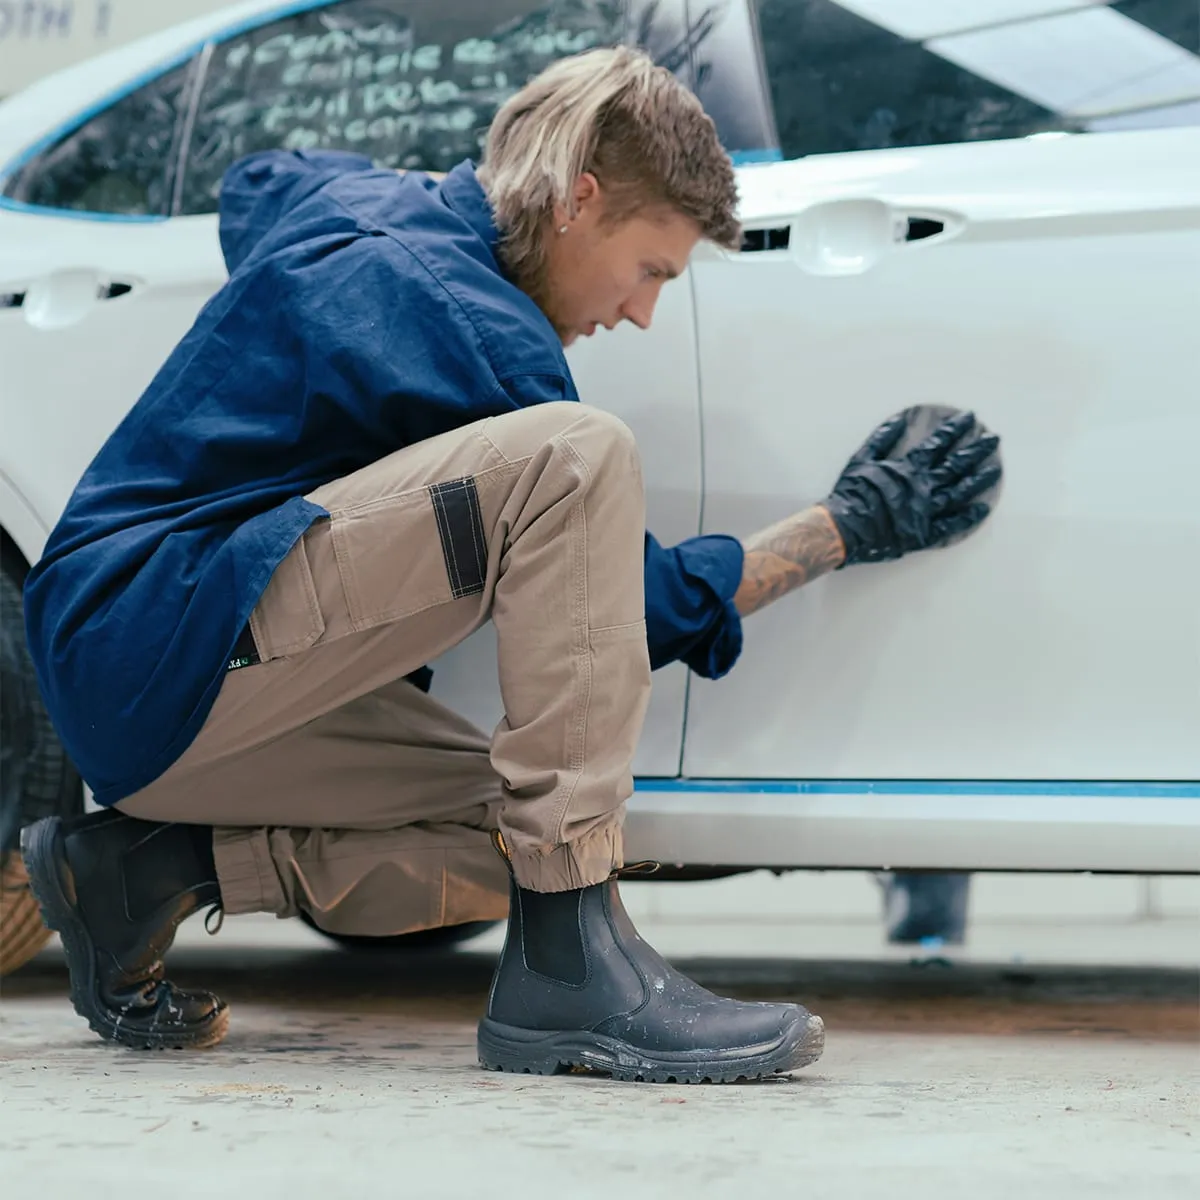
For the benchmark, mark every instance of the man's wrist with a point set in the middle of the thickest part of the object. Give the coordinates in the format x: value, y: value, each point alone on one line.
x: 826, y: 508
x: 788, y: 555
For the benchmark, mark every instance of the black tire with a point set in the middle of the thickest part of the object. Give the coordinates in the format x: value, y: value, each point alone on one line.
x: 423, y: 941
x: 36, y: 777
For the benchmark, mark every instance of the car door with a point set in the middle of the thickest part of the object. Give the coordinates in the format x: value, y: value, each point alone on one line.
x: 1048, y: 283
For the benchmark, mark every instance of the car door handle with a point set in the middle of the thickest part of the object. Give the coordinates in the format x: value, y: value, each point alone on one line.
x: 12, y: 299
x: 848, y: 237
x: 64, y: 298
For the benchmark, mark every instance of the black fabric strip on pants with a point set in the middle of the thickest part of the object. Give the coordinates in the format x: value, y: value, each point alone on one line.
x: 245, y: 653
x: 464, y: 545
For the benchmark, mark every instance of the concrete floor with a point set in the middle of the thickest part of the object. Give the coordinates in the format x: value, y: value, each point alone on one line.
x: 352, y: 1074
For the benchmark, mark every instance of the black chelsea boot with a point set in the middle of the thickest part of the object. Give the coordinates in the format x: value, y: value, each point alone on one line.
x: 576, y: 987
x: 116, y: 888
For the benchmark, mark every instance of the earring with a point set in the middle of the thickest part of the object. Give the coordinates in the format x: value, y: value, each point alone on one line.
x: 562, y: 229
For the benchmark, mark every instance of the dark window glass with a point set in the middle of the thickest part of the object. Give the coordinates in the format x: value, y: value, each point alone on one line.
x: 119, y: 162
x: 839, y: 82
x: 410, y: 83
x: 1177, y: 20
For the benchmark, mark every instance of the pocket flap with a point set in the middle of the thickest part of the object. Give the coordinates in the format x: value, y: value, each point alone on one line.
x: 288, y: 616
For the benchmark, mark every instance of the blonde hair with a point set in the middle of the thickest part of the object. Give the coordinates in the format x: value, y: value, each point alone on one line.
x: 633, y: 125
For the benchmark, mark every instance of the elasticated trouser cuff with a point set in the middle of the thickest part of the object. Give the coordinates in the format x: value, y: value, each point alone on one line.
x: 578, y: 864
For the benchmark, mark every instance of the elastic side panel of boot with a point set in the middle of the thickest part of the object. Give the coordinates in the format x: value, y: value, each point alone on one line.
x: 552, y: 935
x: 166, y: 862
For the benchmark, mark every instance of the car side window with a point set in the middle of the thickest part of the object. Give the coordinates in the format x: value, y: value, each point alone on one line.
x: 408, y: 83
x: 119, y: 162
x: 870, y: 74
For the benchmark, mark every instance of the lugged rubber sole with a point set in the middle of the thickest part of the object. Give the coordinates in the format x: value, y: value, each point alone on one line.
x: 535, y: 1052
x: 41, y: 848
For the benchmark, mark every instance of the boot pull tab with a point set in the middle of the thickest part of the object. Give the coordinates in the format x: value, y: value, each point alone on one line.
x: 637, y: 870
x: 213, y: 927
x: 501, y: 849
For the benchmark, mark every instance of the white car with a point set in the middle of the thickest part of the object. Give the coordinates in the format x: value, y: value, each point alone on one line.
x: 1029, y: 700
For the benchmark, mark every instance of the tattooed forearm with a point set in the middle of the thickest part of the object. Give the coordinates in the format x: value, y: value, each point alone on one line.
x: 787, y: 556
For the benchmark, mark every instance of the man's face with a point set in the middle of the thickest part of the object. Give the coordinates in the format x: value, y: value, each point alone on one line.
x: 600, y: 274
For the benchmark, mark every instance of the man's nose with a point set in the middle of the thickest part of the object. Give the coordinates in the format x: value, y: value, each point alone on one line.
x: 639, y: 309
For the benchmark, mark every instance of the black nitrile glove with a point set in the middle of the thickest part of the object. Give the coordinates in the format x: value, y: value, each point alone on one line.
x: 888, y: 507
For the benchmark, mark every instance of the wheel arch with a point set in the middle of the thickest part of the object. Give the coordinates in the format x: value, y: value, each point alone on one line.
x: 22, y: 534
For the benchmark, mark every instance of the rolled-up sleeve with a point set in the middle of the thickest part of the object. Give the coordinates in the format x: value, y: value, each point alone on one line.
x: 690, y: 616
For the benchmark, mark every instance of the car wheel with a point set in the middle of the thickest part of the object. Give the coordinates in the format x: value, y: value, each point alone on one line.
x: 36, y: 777
x: 423, y: 940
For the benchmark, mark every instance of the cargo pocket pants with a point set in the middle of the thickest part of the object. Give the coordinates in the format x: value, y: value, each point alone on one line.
x: 338, y: 788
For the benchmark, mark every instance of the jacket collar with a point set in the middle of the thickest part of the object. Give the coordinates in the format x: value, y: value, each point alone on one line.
x: 462, y: 191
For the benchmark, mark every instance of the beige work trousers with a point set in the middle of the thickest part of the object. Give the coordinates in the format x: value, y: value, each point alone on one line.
x: 339, y: 789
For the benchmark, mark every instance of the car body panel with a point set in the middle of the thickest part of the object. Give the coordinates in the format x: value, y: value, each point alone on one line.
x: 1061, y: 642
x: 1139, y: 829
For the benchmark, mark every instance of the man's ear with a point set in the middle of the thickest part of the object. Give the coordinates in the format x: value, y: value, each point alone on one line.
x: 586, y: 190
x: 585, y: 197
